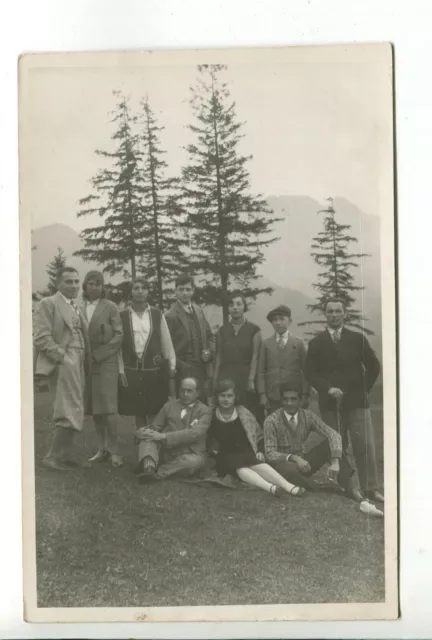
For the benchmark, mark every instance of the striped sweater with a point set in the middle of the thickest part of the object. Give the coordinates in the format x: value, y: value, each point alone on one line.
x: 282, y: 440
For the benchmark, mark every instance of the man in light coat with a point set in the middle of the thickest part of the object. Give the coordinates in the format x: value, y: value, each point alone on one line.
x: 63, y: 357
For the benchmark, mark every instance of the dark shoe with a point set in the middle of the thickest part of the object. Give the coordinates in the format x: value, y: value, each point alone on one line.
x: 354, y: 494
x: 146, y: 473
x: 374, y: 495
x: 55, y: 465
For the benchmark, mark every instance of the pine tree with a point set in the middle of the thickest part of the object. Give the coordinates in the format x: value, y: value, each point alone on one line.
x: 228, y: 226
x: 117, y: 242
x: 330, y: 251
x: 53, y: 268
x: 163, y: 233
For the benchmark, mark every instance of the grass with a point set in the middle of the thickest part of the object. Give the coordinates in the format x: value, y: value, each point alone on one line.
x: 104, y: 540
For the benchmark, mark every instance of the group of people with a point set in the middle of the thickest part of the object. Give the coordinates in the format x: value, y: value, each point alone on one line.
x: 233, y: 398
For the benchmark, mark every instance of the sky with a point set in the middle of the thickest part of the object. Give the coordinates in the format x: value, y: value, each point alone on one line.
x: 314, y: 124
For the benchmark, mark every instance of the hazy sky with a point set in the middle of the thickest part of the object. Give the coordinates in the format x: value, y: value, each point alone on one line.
x: 314, y: 127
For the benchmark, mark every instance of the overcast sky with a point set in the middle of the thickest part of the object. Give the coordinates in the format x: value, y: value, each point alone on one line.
x: 314, y: 126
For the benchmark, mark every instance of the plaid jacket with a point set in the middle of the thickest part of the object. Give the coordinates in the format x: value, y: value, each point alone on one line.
x: 281, y: 440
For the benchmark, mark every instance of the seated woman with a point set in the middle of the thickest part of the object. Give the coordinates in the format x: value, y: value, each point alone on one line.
x: 236, y: 434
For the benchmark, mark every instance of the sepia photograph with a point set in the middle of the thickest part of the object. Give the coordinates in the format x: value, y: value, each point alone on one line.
x: 209, y: 400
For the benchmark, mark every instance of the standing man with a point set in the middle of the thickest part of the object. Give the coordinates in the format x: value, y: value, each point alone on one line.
x: 281, y: 359
x: 192, y: 337
x: 63, y: 356
x: 343, y: 368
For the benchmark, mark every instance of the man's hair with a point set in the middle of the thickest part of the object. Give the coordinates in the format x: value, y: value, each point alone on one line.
x: 197, y: 384
x: 64, y: 270
x: 334, y: 301
x: 287, y: 386
x: 183, y: 280
x: 237, y: 294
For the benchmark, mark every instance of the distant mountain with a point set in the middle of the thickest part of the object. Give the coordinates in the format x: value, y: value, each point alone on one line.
x: 288, y: 266
x: 288, y: 262
x: 259, y: 309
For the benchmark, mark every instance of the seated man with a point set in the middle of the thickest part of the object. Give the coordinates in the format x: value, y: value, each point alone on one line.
x: 285, y: 432
x: 175, y: 442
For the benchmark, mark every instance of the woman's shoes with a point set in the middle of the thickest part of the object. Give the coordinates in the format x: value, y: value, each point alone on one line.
x: 279, y: 492
x: 106, y: 456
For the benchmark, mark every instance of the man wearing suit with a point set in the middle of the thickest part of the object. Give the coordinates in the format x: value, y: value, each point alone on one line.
x: 343, y: 368
x: 63, y: 356
x: 281, y: 359
x: 191, y: 336
x: 105, y: 334
x: 175, y: 443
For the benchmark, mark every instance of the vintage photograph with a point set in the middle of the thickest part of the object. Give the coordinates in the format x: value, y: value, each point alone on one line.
x: 209, y: 360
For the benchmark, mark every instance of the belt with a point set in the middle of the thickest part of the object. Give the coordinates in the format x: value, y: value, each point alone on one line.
x: 140, y: 367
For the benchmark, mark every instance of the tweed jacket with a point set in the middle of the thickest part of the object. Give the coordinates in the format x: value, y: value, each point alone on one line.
x: 53, y: 326
x: 351, y: 365
x: 187, y: 435
x: 276, y: 365
x: 281, y: 440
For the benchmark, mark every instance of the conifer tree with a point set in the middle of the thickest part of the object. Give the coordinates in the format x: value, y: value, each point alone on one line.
x: 117, y: 242
x: 163, y: 237
x: 53, y: 268
x: 331, y: 252
x: 228, y: 225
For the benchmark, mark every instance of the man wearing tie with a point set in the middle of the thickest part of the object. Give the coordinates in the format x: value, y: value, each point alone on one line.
x: 281, y: 359
x: 191, y: 336
x: 175, y: 442
x: 343, y: 368
x: 63, y: 357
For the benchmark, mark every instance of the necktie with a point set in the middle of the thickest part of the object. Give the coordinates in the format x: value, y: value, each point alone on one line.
x: 74, y: 307
x: 336, y: 337
x: 292, y: 422
x: 280, y: 342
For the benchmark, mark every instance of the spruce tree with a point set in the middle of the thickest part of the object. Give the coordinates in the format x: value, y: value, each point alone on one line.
x: 228, y: 226
x: 53, y: 269
x: 331, y: 252
x: 117, y: 242
x: 163, y: 237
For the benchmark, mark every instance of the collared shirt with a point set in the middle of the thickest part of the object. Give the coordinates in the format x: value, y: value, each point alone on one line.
x: 188, y: 308
x: 90, y: 307
x: 70, y: 301
x: 333, y: 331
x: 289, y: 417
x: 284, y: 337
x: 184, y: 411
x: 141, y: 333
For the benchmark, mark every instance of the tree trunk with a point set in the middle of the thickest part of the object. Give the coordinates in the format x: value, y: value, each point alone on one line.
x: 155, y: 219
x: 221, y: 238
